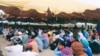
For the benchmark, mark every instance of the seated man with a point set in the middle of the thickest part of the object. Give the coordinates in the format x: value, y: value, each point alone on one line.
x: 10, y: 35
x: 31, y: 43
x: 14, y: 48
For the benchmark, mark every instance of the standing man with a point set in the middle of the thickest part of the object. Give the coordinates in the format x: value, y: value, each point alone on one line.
x: 98, y: 28
x: 1, y: 13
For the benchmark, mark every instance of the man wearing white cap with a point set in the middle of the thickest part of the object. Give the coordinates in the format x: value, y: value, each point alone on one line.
x: 18, y: 35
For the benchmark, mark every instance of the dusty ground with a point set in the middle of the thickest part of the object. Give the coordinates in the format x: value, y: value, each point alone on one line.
x: 47, y: 52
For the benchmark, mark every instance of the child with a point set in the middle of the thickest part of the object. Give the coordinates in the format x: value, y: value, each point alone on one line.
x: 62, y: 50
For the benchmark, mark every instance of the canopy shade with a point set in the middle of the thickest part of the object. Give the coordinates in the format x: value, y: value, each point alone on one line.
x: 56, y: 6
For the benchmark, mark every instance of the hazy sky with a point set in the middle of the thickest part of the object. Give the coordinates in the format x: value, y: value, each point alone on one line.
x: 55, y: 5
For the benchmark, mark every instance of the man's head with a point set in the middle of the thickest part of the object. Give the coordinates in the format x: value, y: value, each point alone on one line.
x: 77, y: 47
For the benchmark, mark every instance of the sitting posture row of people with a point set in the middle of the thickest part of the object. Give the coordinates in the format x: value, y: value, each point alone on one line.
x: 61, y: 41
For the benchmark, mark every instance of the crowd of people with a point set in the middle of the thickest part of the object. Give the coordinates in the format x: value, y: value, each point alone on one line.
x: 63, y: 41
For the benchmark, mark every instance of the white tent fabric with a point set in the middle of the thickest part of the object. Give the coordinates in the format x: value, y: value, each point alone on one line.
x: 56, y: 6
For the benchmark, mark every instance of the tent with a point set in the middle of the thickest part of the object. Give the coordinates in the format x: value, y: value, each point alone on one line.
x: 56, y: 6
x: 38, y: 9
